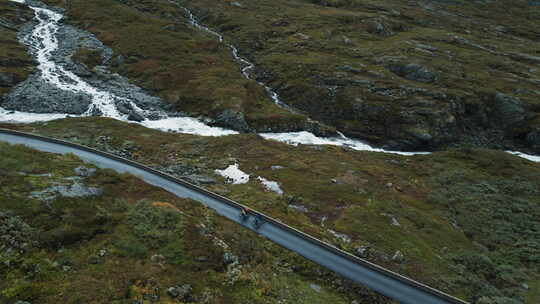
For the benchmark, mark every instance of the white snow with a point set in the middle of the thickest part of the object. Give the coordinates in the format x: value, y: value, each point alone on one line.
x: 234, y: 175
x: 270, y: 185
x: 19, y: 1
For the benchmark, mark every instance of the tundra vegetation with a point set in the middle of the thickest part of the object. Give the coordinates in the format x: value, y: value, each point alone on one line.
x: 462, y: 220
x: 459, y: 76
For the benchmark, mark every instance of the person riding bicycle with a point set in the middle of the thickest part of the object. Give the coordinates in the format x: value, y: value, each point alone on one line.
x: 244, y: 212
x: 258, y: 220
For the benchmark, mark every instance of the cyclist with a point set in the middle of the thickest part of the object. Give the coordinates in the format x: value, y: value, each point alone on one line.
x: 258, y: 221
x: 244, y: 213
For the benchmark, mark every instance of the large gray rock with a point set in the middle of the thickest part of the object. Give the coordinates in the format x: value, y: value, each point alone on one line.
x: 507, y: 110
x: 232, y: 119
x: 533, y: 138
x: 413, y: 71
x: 37, y: 96
x: 7, y: 80
x: 181, y: 292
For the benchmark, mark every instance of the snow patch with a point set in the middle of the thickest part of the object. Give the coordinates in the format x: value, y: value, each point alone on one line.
x: 270, y: 185
x: 234, y: 175
x: 19, y: 1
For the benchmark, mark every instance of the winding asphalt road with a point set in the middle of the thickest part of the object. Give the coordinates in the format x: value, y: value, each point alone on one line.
x: 386, y: 282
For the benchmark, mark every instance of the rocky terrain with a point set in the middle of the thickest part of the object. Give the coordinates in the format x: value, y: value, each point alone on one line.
x: 73, y: 233
x: 15, y: 63
x: 403, y: 74
x: 463, y: 221
x: 455, y: 76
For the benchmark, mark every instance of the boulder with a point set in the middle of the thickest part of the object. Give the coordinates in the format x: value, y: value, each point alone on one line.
x: 232, y: 119
x: 181, y: 292
x: 533, y: 138
x: 415, y: 72
x: 7, y: 80
x: 362, y: 251
x: 84, y: 171
x: 507, y: 110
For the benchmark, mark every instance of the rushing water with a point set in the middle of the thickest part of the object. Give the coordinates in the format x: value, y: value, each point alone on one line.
x: 43, y: 39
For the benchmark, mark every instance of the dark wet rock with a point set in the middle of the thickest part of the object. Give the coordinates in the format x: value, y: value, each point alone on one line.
x: 181, y: 292
x: 134, y: 116
x: 350, y: 69
x: 362, y: 251
x: 413, y: 71
x: 85, y: 172
x: 35, y: 95
x: 507, y: 110
x: 232, y: 119
x: 533, y: 138
x: 7, y: 80
x: 378, y: 27
x: 229, y: 258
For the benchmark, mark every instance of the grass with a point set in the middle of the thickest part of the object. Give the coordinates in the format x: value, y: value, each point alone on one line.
x: 132, y: 242
x: 305, y: 69
x: 14, y: 61
x: 175, y: 61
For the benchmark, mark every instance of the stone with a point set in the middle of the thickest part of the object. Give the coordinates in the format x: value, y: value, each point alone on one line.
x: 315, y: 287
x: 199, y: 179
x: 347, y: 40
x: 102, y: 253
x: 533, y: 138
x: 181, y: 292
x: 302, y: 36
x: 6, y: 80
x: 134, y: 116
x: 362, y: 251
x: 85, y: 172
x: 157, y: 258
x: 350, y: 69
x: 232, y: 119
x: 237, y: 4
x: 507, y: 110
x: 415, y: 72
x: 229, y: 258
x: 398, y: 257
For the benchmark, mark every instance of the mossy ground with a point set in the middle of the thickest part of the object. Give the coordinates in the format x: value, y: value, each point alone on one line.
x: 132, y: 242
x: 302, y: 46
x: 14, y: 60
x: 454, y: 208
x: 174, y: 60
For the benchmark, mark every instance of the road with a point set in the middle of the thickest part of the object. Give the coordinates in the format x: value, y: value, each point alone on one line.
x: 383, y: 281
